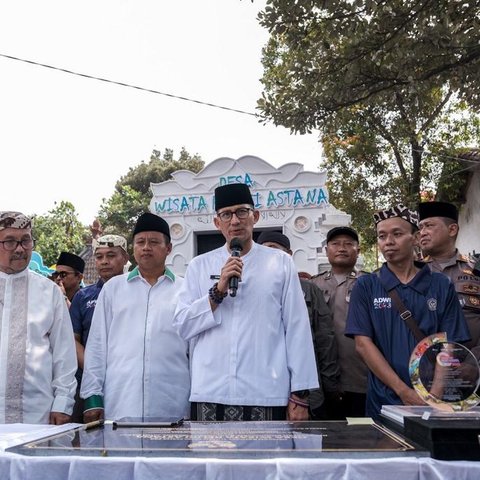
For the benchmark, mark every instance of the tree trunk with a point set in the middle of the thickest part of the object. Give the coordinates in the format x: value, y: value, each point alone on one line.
x: 414, y: 187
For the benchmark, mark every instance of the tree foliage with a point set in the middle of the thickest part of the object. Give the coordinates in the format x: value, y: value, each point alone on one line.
x: 159, y: 169
x: 392, y: 86
x: 59, y: 230
x: 132, y: 193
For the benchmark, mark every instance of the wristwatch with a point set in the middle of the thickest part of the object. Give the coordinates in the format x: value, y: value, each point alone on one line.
x: 301, y: 393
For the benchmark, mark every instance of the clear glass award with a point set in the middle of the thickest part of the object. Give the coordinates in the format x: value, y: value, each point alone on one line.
x: 446, y: 375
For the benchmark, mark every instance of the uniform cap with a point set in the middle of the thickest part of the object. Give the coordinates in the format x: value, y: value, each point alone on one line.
x: 336, y: 231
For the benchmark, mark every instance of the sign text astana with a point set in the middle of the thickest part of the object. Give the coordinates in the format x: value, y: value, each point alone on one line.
x: 264, y: 198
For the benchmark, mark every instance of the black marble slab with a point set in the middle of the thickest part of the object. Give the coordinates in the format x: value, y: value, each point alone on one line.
x: 228, y: 440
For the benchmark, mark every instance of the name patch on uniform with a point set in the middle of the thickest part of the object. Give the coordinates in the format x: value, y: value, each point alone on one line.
x: 432, y: 304
x: 382, y: 302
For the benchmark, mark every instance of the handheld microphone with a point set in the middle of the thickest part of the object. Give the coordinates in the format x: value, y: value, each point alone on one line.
x: 236, y: 246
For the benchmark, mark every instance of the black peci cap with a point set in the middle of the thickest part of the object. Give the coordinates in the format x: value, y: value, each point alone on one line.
x: 437, y: 209
x: 149, y: 222
x: 275, y: 237
x: 233, y: 194
x: 71, y: 260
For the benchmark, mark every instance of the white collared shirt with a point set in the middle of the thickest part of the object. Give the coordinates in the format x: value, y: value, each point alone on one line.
x: 255, y: 348
x: 134, y: 358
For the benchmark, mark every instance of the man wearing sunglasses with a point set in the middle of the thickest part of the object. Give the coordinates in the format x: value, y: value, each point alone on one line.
x: 37, y: 351
x: 68, y: 274
x: 251, y: 352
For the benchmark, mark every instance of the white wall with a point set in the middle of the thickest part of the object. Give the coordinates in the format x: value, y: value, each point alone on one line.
x: 469, y: 220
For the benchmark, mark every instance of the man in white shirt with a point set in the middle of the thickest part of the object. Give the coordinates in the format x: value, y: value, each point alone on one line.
x: 251, y: 354
x: 37, y: 348
x: 136, y: 365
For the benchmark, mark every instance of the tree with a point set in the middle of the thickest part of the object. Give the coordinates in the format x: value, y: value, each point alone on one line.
x: 58, y: 231
x: 390, y: 85
x: 363, y: 177
x: 132, y: 193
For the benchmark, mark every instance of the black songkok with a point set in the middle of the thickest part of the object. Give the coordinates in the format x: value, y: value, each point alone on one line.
x: 275, y: 237
x: 71, y: 260
x: 233, y: 194
x: 336, y: 231
x: 149, y: 222
x: 438, y: 209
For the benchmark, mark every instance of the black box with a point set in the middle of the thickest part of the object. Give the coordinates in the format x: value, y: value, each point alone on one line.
x: 446, y: 438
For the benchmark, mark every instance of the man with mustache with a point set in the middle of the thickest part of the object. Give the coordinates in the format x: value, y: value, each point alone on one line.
x: 251, y: 353
x: 37, y: 348
x: 382, y: 337
x: 342, y: 251
x: 438, y: 234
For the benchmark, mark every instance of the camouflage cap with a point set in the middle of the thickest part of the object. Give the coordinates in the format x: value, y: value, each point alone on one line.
x: 400, y: 211
x: 109, y: 241
x: 14, y: 220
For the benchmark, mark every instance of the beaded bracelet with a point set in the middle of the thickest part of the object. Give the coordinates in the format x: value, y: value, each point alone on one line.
x: 215, y: 295
x: 298, y: 402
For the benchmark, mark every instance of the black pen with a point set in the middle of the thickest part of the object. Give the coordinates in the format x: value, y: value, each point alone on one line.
x: 153, y: 424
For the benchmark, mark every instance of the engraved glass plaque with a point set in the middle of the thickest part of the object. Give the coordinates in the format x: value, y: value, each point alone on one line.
x: 234, y: 440
x: 446, y: 375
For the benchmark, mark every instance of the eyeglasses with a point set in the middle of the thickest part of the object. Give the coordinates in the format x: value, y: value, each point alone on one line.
x: 62, y: 275
x: 241, y: 214
x: 11, y: 245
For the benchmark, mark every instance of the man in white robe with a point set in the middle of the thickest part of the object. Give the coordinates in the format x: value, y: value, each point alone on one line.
x: 37, y: 347
x: 136, y: 365
x: 251, y: 354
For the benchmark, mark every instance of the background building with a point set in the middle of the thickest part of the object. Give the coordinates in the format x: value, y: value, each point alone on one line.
x: 290, y: 200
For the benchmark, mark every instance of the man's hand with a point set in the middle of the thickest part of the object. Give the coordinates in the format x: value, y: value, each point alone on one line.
x: 295, y: 412
x: 409, y: 396
x: 93, y: 415
x: 59, y: 418
x: 232, y: 268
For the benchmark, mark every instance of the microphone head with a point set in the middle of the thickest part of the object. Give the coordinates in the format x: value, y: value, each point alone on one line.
x: 236, y: 244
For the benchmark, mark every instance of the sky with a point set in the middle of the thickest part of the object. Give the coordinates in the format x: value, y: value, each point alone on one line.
x: 65, y: 137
